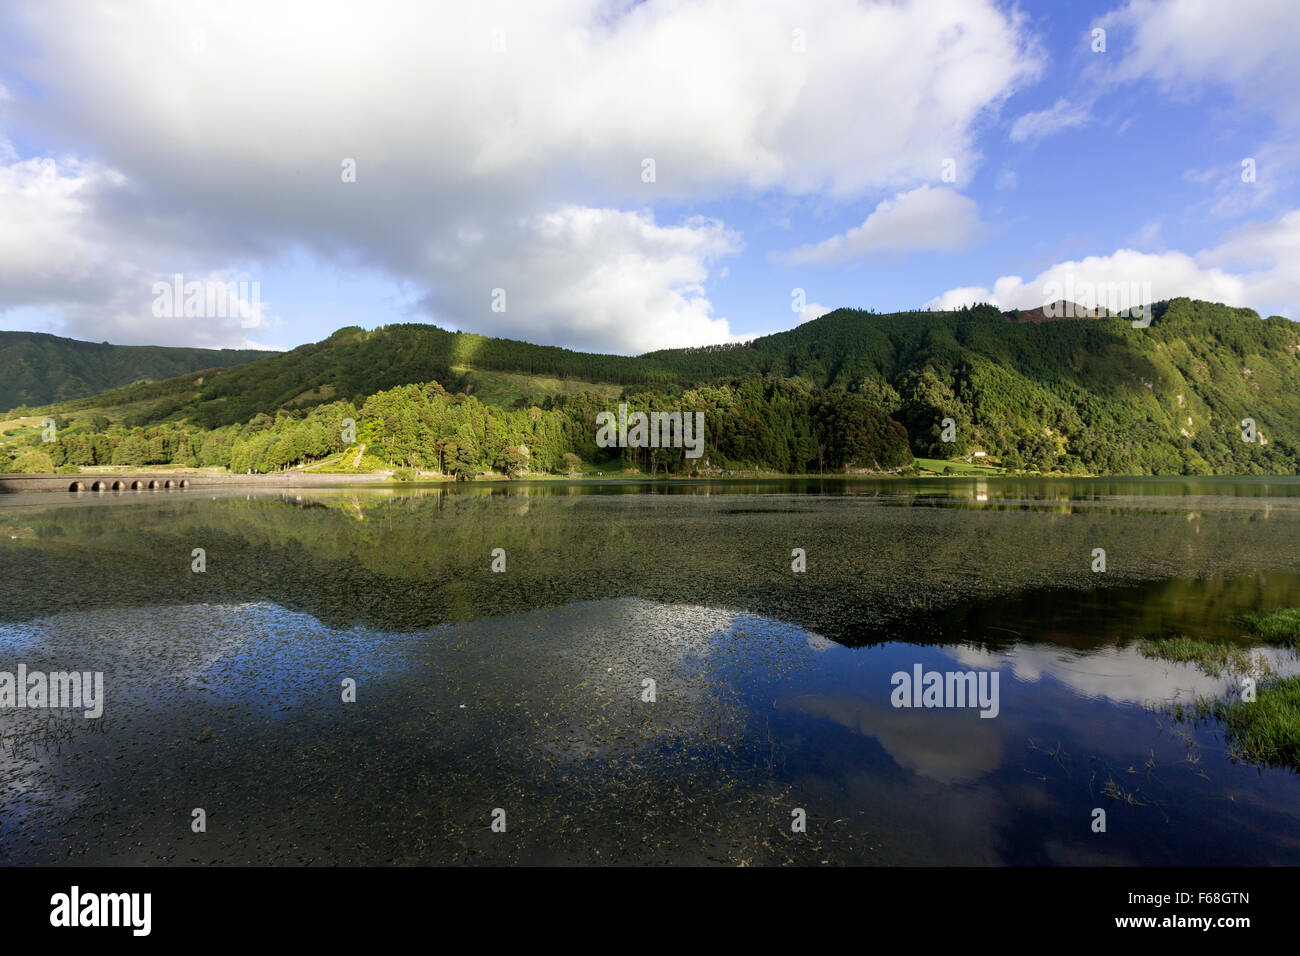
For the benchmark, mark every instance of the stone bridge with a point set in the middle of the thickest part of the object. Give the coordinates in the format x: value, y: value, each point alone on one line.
x: 91, y: 482
x: 154, y: 481
x: 126, y: 484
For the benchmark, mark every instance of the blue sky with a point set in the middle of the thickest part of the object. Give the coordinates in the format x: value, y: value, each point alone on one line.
x: 504, y: 147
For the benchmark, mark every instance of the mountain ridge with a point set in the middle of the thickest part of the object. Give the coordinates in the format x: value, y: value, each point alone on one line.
x: 37, y: 368
x: 1084, y: 395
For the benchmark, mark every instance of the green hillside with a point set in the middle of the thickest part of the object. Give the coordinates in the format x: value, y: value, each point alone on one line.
x: 351, y: 364
x: 36, y: 368
x: 1089, y: 395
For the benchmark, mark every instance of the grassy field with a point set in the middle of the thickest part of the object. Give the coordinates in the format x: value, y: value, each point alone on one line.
x: 506, y: 388
x: 938, y: 466
x: 14, y: 431
x: 14, y: 424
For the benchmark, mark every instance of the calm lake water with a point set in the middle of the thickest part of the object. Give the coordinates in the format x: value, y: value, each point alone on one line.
x: 522, y: 690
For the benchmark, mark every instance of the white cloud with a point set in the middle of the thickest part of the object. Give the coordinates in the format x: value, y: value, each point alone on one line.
x: 1247, y: 47
x: 1266, y: 278
x: 1269, y: 254
x: 597, y: 278
x: 1169, y: 274
x: 1035, y: 126
x: 969, y: 295
x: 1251, y: 183
x: 925, y: 219
x: 59, y: 251
x: 1261, y: 242
x: 1245, y: 50
x: 813, y: 310
x: 228, y: 127
x: 1120, y: 674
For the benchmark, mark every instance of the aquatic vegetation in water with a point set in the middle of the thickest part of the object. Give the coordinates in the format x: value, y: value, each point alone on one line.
x: 1215, y: 658
x: 1281, y: 626
x: 1262, y: 721
x: 1267, y: 729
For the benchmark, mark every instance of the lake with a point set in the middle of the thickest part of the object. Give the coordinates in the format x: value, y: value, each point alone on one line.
x: 647, y: 680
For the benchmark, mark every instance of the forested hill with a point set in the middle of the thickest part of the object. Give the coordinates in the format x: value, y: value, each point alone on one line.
x: 350, y: 365
x: 1090, y: 394
x: 1076, y: 395
x: 353, y: 363
x: 37, y: 368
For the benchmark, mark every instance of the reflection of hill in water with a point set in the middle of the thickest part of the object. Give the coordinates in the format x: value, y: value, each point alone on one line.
x: 237, y: 707
x: 539, y: 712
x: 875, y: 571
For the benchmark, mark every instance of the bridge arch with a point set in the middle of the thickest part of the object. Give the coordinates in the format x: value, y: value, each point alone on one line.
x: 123, y: 484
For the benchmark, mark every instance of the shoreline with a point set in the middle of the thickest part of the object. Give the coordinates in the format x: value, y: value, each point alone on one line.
x: 94, y: 482
x: 172, y: 481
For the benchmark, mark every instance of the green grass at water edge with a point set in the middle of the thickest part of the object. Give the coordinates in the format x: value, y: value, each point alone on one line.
x: 1213, y: 657
x: 1280, y: 626
x: 1266, y: 730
